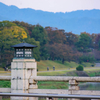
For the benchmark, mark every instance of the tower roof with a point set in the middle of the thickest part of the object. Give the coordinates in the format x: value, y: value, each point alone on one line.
x: 23, y: 45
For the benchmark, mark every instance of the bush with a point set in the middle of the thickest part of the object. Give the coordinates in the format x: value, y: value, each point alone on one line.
x: 79, y: 68
x: 92, y: 65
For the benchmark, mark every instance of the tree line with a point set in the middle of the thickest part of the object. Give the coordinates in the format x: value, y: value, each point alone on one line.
x: 53, y: 43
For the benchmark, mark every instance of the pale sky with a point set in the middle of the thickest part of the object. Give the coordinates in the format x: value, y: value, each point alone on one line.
x: 55, y: 5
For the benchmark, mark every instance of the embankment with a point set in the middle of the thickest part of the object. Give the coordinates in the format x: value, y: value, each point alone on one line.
x: 83, y: 73
x: 93, y: 73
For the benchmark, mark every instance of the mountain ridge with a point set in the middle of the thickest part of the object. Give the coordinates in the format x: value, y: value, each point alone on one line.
x: 76, y: 21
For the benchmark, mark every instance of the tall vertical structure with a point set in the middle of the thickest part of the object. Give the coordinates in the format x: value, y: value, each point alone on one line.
x: 23, y: 67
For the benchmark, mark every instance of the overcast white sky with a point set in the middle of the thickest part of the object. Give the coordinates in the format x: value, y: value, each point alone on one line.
x: 55, y: 5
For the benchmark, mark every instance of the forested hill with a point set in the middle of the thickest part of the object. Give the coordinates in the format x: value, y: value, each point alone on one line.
x: 53, y: 43
x: 76, y: 22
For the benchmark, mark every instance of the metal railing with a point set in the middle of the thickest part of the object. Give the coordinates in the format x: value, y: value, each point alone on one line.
x: 51, y: 95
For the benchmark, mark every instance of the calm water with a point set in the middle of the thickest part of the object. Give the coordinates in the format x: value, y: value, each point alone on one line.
x: 90, y: 86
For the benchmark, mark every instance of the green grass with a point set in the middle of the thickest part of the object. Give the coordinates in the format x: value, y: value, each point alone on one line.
x: 5, y: 98
x: 69, y: 72
x: 92, y: 69
x: 54, y: 73
x: 87, y: 64
x: 5, y: 73
x: 52, y: 85
x: 6, y: 84
x: 43, y: 64
x: 60, y: 69
x: 1, y: 69
x: 92, y: 73
x: 41, y: 85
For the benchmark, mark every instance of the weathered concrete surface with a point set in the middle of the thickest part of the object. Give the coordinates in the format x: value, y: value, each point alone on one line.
x: 21, y: 71
x: 62, y: 91
x: 65, y: 79
x: 58, y: 78
x: 86, y: 92
x: 7, y: 90
x: 19, y: 60
x: 49, y: 91
x: 5, y: 77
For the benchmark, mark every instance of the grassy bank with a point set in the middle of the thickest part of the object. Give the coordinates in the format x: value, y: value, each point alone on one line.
x: 93, y: 73
x: 43, y: 64
x: 66, y: 69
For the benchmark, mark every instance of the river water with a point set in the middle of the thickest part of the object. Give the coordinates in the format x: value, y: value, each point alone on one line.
x: 90, y: 86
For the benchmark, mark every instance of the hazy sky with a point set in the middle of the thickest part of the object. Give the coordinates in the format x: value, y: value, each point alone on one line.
x: 55, y: 5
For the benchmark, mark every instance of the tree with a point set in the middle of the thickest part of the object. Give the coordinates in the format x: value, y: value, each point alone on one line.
x: 71, y: 38
x: 40, y: 34
x: 6, y: 24
x: 10, y: 29
x: 55, y: 35
x: 86, y: 58
x: 26, y: 26
x: 11, y: 34
x: 93, y: 37
x: 84, y: 43
x: 61, y: 51
x: 97, y: 41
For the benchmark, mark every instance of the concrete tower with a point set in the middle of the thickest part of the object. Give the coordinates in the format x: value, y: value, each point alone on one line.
x: 23, y: 67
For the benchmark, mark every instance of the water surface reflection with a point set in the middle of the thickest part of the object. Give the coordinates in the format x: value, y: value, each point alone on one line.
x: 90, y: 86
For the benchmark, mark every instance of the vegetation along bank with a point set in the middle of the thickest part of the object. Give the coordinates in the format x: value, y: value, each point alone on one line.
x: 53, y: 43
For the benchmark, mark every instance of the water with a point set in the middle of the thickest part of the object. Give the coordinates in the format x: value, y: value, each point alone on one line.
x: 90, y: 86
